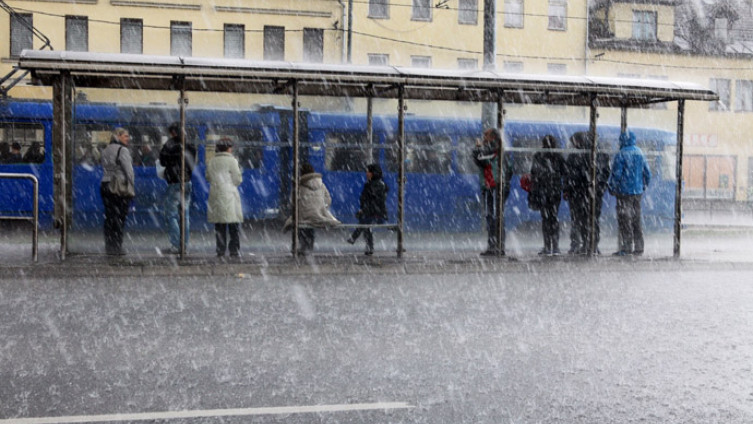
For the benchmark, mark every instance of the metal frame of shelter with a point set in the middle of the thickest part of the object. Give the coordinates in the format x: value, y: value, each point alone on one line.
x: 65, y: 70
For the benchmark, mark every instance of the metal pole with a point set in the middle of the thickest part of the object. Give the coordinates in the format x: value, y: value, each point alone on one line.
x: 592, y: 189
x: 370, y: 127
x: 35, y: 213
x: 182, y: 212
x: 296, y: 167
x: 678, y: 171
x: 401, y: 169
x: 490, y: 56
x: 501, y: 178
x: 350, y: 30
x: 62, y: 105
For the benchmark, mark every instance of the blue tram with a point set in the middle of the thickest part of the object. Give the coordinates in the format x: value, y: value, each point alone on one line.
x: 442, y: 186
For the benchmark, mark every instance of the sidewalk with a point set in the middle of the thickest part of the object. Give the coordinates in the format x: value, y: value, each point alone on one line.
x: 267, y: 252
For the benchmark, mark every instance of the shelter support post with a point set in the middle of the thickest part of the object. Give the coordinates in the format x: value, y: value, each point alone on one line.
x: 370, y: 128
x: 678, y: 183
x: 62, y: 151
x: 500, y: 228
x: 594, y: 115
x: 623, y: 119
x: 401, y: 170
x: 182, y: 101
x: 296, y: 168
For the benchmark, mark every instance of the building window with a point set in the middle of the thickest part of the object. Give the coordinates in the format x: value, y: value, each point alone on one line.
x: 77, y: 33
x: 514, y: 13
x: 743, y: 96
x: 558, y: 15
x: 644, y: 25
x: 181, y: 42
x: 516, y: 67
x: 421, y: 10
x: 420, y: 61
x: 274, y: 42
x: 379, y: 9
x: 21, y: 35
x: 378, y: 59
x: 722, y: 88
x: 721, y: 28
x: 131, y: 36
x: 313, y: 45
x: 467, y: 64
x: 468, y: 12
x: 556, y: 69
x: 235, y: 41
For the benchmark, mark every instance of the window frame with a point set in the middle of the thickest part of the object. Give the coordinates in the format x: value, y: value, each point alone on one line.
x: 377, y: 6
x: 178, y: 29
x: 74, y: 23
x: 420, y: 9
x: 420, y: 61
x: 313, y: 45
x: 21, y: 34
x: 229, y: 48
x: 743, y: 95
x: 644, y: 29
x: 274, y: 42
x: 468, y: 13
x: 557, y: 21
x: 714, y: 84
x: 514, y: 19
x: 123, y: 33
x: 467, y: 61
x: 379, y: 57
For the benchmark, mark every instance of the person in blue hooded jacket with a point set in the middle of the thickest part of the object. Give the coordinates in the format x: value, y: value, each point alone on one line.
x: 629, y: 179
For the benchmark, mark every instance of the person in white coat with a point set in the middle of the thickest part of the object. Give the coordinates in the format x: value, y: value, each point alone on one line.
x: 313, y: 208
x: 224, y: 206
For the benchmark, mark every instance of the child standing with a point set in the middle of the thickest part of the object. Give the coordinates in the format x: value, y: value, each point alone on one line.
x: 373, y: 206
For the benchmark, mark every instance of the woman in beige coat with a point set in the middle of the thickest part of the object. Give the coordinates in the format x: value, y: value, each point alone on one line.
x: 224, y: 207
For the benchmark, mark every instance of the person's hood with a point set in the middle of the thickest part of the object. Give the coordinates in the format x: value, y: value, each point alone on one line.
x: 376, y: 171
x: 627, y: 139
x: 312, y: 181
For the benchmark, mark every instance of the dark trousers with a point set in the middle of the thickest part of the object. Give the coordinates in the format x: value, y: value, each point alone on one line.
x: 629, y: 223
x: 367, y: 233
x: 490, y: 210
x: 116, y: 210
x: 306, y: 239
x: 550, y: 224
x: 580, y: 211
x: 221, y: 231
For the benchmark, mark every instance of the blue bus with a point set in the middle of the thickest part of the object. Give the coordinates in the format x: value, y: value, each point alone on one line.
x: 442, y: 185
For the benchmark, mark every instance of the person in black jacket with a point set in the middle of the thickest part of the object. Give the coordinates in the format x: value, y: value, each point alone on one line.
x: 547, y: 171
x: 373, y: 206
x: 578, y: 191
x: 170, y: 158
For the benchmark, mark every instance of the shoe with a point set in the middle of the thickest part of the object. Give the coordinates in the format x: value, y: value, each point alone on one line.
x: 620, y: 253
x: 171, y: 251
x: 492, y: 253
x: 235, y: 255
x: 544, y: 252
x: 638, y: 253
x: 368, y: 252
x: 115, y: 252
x: 555, y: 252
x: 350, y: 240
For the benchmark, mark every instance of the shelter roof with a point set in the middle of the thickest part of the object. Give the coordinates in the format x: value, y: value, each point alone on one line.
x: 128, y: 71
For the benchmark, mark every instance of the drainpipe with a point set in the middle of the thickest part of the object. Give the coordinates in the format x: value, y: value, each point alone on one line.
x: 342, y: 25
x: 587, y: 52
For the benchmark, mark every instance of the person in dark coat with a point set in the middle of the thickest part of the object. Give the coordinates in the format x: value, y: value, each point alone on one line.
x: 170, y: 157
x: 15, y: 153
x: 485, y: 157
x: 373, y: 206
x: 34, y: 153
x: 578, y: 192
x: 547, y: 172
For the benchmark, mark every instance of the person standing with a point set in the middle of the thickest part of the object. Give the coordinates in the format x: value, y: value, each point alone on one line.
x: 224, y: 206
x: 116, y: 163
x: 314, y: 201
x: 578, y: 189
x: 373, y: 208
x: 170, y: 157
x: 629, y: 179
x: 547, y: 171
x: 485, y: 157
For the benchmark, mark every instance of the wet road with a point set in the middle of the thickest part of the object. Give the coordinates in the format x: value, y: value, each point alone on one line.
x: 555, y: 344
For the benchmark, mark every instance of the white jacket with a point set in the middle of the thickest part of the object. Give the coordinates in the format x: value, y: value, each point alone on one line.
x: 313, y: 204
x: 224, y: 177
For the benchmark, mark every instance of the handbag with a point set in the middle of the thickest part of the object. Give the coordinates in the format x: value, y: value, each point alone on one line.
x: 120, y: 186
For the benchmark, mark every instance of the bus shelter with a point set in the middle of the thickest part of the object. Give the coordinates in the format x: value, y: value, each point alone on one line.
x: 63, y: 70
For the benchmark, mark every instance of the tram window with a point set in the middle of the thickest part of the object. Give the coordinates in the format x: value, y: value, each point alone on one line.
x: 89, y: 141
x: 248, y: 144
x: 345, y: 151
x: 466, y: 165
x: 521, y: 163
x: 145, y: 144
x: 28, y: 140
x: 424, y: 154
